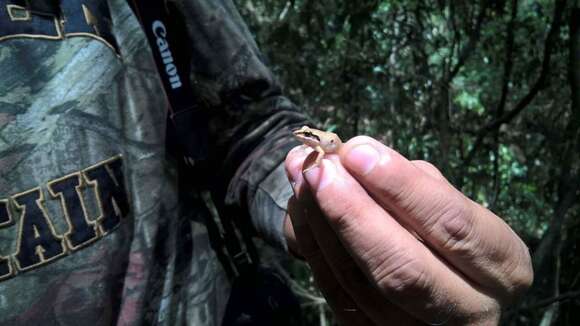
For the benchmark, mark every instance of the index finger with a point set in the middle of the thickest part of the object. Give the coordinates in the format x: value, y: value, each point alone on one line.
x: 473, y: 239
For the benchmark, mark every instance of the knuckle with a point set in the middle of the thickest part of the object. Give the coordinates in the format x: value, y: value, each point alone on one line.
x: 458, y: 230
x: 401, y: 275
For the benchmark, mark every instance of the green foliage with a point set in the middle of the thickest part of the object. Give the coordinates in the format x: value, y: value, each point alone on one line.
x: 430, y: 79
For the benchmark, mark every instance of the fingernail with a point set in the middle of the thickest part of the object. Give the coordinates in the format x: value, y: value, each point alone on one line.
x: 300, y: 150
x: 321, y: 175
x: 362, y: 158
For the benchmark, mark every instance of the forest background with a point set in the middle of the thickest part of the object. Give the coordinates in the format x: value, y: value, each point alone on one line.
x: 488, y: 91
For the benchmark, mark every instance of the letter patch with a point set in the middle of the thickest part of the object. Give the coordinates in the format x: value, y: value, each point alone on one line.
x: 107, y: 178
x: 87, y: 18
x: 5, y: 220
x: 38, y: 241
x: 68, y: 190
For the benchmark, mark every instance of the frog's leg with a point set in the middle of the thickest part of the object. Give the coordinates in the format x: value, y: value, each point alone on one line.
x: 320, y: 154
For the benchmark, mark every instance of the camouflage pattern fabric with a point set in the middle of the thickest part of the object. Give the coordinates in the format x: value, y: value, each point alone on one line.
x: 92, y: 227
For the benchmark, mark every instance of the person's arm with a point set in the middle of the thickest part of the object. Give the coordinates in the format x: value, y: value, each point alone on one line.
x: 251, y: 120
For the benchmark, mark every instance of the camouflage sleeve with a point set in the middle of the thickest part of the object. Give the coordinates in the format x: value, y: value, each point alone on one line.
x: 252, y: 120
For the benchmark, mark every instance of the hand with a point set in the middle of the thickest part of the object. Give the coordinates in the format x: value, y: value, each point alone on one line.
x: 391, y: 242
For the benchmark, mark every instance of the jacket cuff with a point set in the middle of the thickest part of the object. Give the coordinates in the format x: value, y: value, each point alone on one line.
x: 269, y: 207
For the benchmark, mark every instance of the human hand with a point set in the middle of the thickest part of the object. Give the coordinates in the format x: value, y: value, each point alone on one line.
x: 391, y: 242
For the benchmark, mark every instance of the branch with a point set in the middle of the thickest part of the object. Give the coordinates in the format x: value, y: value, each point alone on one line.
x: 538, y: 85
x: 549, y: 301
x: 507, y: 74
x: 545, y: 70
x: 572, y: 132
x: 509, y: 58
x: 574, y: 60
x: 468, y: 49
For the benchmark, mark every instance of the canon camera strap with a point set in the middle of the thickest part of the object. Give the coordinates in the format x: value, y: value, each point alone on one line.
x: 187, y: 117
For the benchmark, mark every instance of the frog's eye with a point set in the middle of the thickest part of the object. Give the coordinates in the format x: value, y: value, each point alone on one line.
x: 332, y: 140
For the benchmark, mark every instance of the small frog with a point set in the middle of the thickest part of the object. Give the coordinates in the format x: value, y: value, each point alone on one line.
x: 321, y: 141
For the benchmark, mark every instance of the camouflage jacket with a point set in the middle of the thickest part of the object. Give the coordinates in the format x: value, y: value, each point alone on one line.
x: 93, y: 228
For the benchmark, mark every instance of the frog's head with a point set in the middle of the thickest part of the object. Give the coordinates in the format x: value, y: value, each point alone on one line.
x: 307, y: 136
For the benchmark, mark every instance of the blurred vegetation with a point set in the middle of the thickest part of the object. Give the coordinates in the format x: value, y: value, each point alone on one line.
x: 489, y: 91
